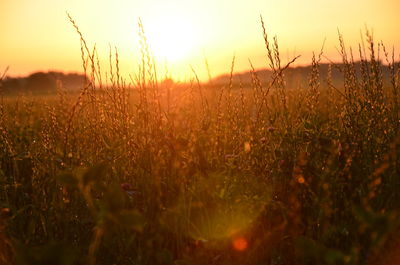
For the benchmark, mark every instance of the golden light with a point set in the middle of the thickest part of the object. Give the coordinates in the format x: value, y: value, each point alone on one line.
x: 171, y: 37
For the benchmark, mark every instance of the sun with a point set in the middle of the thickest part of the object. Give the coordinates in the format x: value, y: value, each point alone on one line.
x: 171, y: 38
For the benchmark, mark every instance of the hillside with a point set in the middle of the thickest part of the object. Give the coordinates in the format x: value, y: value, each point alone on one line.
x: 296, y: 76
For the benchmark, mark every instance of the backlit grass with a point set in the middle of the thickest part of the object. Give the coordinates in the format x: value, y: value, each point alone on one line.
x: 147, y: 172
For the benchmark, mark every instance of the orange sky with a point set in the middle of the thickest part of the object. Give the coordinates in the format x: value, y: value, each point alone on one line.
x: 36, y: 34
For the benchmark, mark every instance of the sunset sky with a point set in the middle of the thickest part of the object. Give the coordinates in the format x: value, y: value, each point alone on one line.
x: 37, y: 35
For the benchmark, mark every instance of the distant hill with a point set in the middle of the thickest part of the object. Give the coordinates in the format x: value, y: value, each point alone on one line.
x: 294, y: 76
x: 43, y: 82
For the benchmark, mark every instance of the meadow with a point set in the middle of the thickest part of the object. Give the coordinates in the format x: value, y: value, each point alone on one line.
x: 146, y: 171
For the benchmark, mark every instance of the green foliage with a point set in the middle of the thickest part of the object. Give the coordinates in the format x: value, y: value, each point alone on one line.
x: 49, y: 254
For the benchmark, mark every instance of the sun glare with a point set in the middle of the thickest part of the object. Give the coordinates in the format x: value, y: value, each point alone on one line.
x: 171, y: 38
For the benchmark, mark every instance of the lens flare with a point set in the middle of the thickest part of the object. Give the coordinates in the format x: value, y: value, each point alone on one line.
x: 240, y: 244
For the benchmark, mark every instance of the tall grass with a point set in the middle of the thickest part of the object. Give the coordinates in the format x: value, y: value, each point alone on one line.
x: 147, y: 172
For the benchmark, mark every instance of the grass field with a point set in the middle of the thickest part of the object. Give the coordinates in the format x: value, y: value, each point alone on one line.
x: 148, y: 172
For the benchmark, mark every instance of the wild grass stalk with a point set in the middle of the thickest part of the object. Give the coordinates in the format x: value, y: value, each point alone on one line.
x: 152, y: 172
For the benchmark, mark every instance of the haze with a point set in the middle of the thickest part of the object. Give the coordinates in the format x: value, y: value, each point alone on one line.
x: 36, y: 35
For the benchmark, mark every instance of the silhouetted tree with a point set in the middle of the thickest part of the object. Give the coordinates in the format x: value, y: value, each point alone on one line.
x: 40, y: 82
x: 12, y: 84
